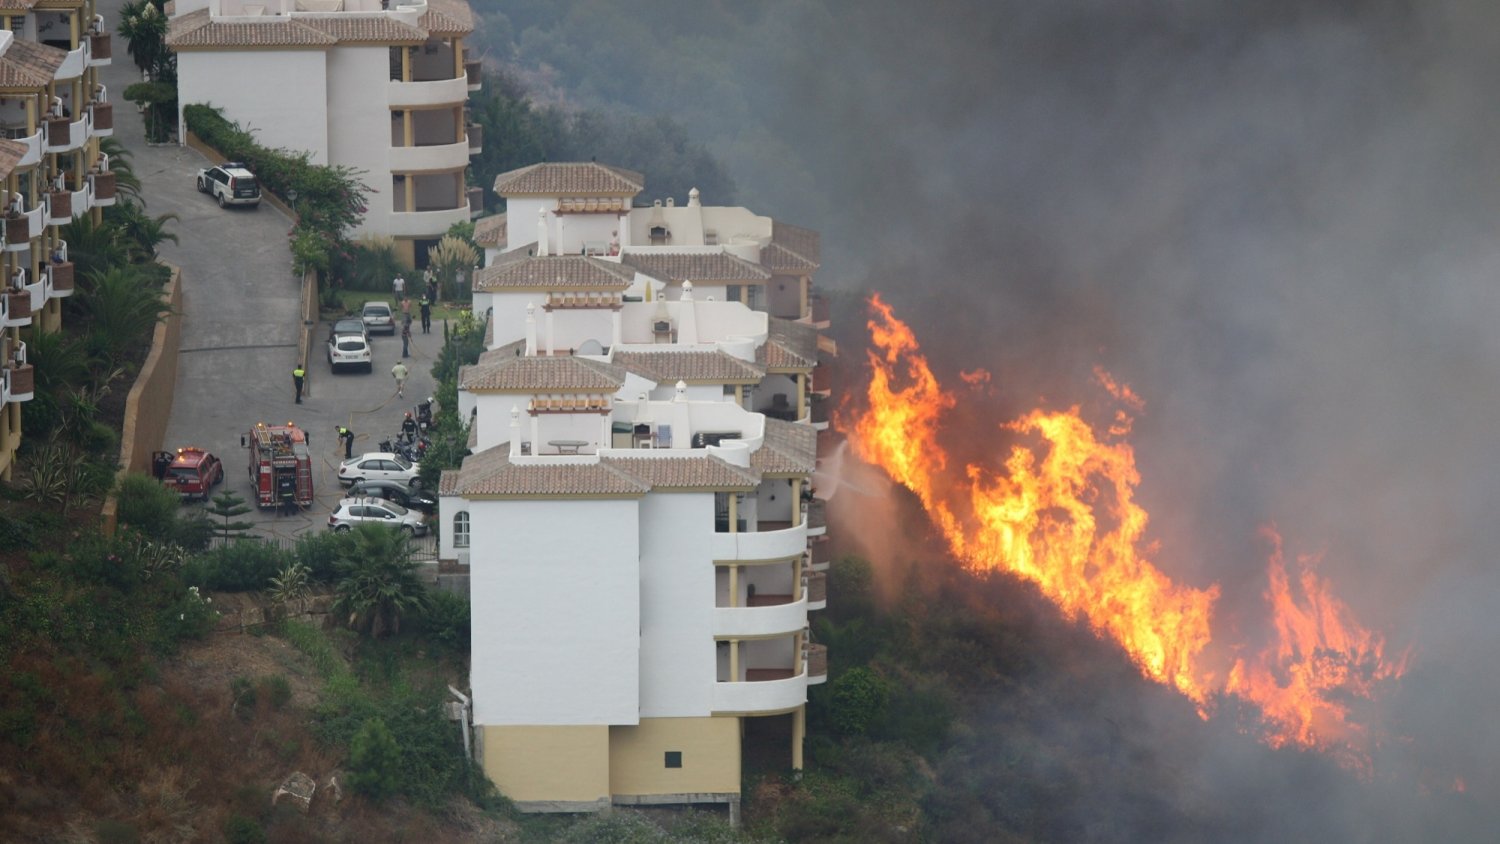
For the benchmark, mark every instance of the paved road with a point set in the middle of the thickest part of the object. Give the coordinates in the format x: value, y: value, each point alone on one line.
x: 240, y: 326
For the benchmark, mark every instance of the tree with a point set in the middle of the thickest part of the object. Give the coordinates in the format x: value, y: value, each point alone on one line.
x: 374, y: 761
x: 144, y: 26
x: 377, y: 581
x: 127, y: 183
x: 859, y: 701
x: 452, y: 258
x: 123, y: 307
x: 227, y: 505
x: 140, y: 232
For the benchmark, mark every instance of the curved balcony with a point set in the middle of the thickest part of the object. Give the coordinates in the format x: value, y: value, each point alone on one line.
x: 73, y: 64
x: 822, y: 556
x: 435, y: 157
x: 61, y: 275
x: 22, y: 377
x: 475, y: 133
x: 99, y: 50
x: 752, y: 622
x: 762, y: 696
x: 83, y: 199
x: 60, y: 208
x: 17, y: 233
x: 817, y: 590
x: 59, y: 134
x: 473, y: 73
x: 769, y: 545
x: 103, y: 185
x: 17, y: 308
x: 435, y: 93
x: 104, y: 119
x: 34, y: 143
x: 815, y: 516
x: 817, y: 664
x: 426, y: 223
x: 39, y: 291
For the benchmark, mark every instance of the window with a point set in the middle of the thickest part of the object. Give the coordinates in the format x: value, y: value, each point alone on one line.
x: 674, y: 758
x: 461, y: 529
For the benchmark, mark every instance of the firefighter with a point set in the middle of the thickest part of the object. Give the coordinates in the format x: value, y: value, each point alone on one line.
x: 287, y: 497
x: 409, y: 427
x: 348, y: 437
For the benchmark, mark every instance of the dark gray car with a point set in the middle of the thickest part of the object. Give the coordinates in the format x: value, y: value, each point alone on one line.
x: 406, y: 496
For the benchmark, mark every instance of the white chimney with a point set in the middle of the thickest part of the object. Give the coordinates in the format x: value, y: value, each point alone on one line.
x: 541, y: 232
x: 671, y: 202
x: 693, y: 198
x: 531, y: 329
x: 515, y: 431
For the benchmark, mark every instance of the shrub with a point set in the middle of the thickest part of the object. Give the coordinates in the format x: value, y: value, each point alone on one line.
x: 860, y: 697
x: 276, y: 690
x: 242, y: 830
x: 243, y: 566
x: 446, y: 620
x: 374, y: 761
x: 148, y: 506
x: 320, y: 552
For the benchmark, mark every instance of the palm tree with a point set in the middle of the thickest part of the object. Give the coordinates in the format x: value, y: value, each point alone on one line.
x: 122, y: 308
x: 94, y: 248
x: 140, y: 232
x: 144, y: 26
x: 127, y: 183
x: 377, y: 581
x: 59, y: 363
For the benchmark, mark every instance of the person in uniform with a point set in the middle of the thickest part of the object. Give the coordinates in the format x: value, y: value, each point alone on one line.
x: 297, y: 375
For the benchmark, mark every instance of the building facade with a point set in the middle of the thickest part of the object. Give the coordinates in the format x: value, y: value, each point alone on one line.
x: 53, y: 114
x: 637, y: 519
x: 381, y: 88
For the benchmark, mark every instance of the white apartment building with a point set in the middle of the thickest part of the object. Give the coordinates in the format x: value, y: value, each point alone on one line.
x: 375, y: 85
x: 637, y: 522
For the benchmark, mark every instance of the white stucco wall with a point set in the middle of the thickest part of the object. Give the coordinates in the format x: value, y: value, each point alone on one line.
x: 566, y: 233
x: 247, y: 86
x: 677, y: 600
x: 359, y: 123
x: 555, y: 587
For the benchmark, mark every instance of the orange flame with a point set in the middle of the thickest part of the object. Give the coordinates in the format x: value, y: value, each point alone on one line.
x: 1062, y: 515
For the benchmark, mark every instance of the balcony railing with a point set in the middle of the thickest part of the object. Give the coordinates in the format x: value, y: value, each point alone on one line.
x: 436, y: 92
x: 819, y: 307
x: 817, y: 590
x: 822, y: 557
x: 817, y: 664
x: 426, y: 223
x: 18, y: 308
x: 62, y: 278
x: 473, y: 73
x: 104, y: 188
x: 476, y: 138
x: 59, y: 134
x: 476, y: 201
x: 22, y: 378
x: 34, y: 142
x: 104, y: 119
x: 815, y: 516
x: 39, y: 291
x: 760, y: 696
x: 99, y: 50
x: 73, y: 64
x: 429, y: 157
x: 60, y: 207
x: 17, y: 233
x: 749, y: 622
x: 760, y: 545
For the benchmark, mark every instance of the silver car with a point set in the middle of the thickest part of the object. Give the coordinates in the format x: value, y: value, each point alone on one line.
x: 378, y: 316
x: 356, y: 511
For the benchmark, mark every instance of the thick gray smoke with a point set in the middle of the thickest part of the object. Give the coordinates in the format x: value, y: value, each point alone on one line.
x: 1277, y: 221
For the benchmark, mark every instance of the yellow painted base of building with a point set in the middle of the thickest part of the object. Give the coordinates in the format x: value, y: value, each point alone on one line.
x: 586, y: 768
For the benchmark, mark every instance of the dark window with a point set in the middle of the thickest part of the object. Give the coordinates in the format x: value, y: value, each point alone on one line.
x: 674, y: 758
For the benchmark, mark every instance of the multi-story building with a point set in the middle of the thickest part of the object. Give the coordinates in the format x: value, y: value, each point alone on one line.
x: 380, y: 88
x: 637, y: 518
x: 53, y: 111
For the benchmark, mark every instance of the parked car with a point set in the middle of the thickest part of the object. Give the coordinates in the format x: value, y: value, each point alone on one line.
x: 230, y: 183
x: 349, y: 325
x: 378, y: 316
x: 191, y: 472
x: 412, y: 498
x: 351, y: 350
x: 354, y: 511
x: 378, y: 465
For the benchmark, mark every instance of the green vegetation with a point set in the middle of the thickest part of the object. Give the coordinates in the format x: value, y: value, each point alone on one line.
x: 374, y: 761
x: 377, y: 581
x: 143, y: 24
x: 225, y: 506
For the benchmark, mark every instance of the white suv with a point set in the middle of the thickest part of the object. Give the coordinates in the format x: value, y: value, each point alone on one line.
x: 230, y: 183
x: 351, y: 350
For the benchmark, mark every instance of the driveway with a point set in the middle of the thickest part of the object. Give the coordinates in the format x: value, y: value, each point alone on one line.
x: 240, y: 326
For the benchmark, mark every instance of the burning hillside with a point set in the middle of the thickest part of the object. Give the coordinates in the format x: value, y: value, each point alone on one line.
x: 1058, y: 509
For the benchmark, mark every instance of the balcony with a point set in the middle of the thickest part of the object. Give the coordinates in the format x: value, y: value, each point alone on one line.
x: 434, y: 93
x: 475, y: 133
x: 817, y: 590
x: 762, y: 545
x: 818, y: 413
x: 17, y: 233
x: 760, y: 695
x: 476, y: 201
x: 819, y: 307
x: 473, y: 73
x: 17, y: 308
x: 60, y: 207
x: 817, y: 664
x: 815, y: 516
x: 73, y: 64
x: 39, y: 291
x: 431, y: 157
x: 103, y: 185
x: 104, y: 119
x: 33, y: 142
x: 426, y: 223
x: 21, y: 377
x: 59, y: 133
x: 62, y: 278
x: 753, y: 622
x: 822, y: 557
x: 99, y: 50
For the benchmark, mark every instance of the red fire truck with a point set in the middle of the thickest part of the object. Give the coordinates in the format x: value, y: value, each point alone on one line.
x: 280, y: 465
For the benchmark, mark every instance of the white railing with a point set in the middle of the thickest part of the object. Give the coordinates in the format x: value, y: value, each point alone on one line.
x: 750, y: 622
x: 425, y: 223
x: 761, y: 696
x: 781, y: 544
x: 435, y: 157
x: 436, y: 92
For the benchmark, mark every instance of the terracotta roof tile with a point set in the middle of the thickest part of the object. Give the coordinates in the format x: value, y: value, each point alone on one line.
x: 563, y: 374
x: 697, y: 266
x: 696, y: 366
x: 195, y: 30
x: 790, y: 448
x: 490, y: 472
x: 366, y: 28
x: 778, y: 258
x: 16, y: 5
x: 516, y: 269
x: 490, y: 231
x: 447, y: 17
x: 804, y: 243
x: 698, y: 471
x: 791, y: 345
x: 27, y: 64
x: 561, y: 178
x: 10, y: 155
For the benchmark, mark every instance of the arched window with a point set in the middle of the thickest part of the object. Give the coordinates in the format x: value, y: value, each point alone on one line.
x: 461, y: 529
